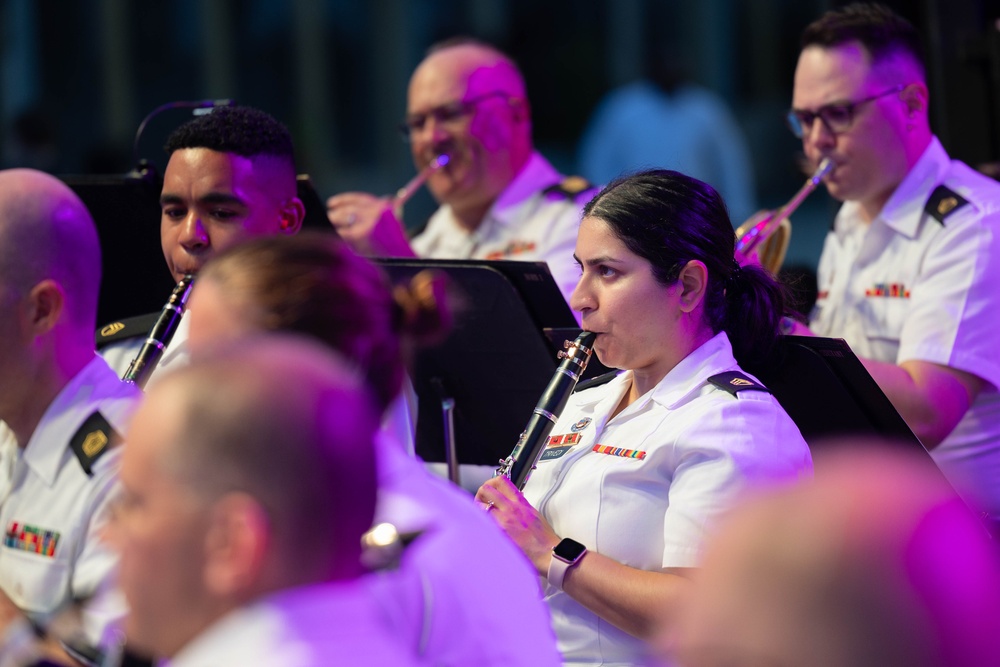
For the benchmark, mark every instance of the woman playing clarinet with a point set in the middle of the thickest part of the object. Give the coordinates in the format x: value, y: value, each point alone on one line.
x: 640, y: 467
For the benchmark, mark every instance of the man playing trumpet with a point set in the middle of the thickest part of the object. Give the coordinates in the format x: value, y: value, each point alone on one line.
x: 500, y: 199
x: 910, y: 269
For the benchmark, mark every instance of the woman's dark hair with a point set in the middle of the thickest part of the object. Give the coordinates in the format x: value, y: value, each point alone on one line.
x: 316, y: 285
x: 670, y: 219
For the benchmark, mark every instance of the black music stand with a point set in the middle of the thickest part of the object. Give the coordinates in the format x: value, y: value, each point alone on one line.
x: 496, y: 361
x: 126, y: 210
x: 829, y: 394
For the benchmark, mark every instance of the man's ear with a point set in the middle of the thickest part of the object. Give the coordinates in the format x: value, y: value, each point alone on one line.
x: 45, y: 305
x: 693, y: 280
x: 236, y: 545
x: 293, y: 213
x: 915, y: 98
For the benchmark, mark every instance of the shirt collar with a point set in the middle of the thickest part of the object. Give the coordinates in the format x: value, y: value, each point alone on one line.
x: 50, y: 440
x: 904, y: 210
x: 714, y: 356
x: 537, y: 174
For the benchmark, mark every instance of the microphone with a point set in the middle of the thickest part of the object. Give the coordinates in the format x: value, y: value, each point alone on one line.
x: 200, y: 107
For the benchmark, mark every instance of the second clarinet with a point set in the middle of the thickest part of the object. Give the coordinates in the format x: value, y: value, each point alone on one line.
x: 530, y: 445
x: 159, y: 336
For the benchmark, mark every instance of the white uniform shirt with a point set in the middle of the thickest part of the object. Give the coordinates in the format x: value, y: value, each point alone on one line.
x: 53, y: 511
x: 464, y: 594
x: 120, y: 354
x: 646, y: 486
x: 523, y: 224
x: 313, y: 626
x: 908, y: 287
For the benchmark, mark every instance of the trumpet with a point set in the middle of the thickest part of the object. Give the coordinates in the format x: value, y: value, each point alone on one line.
x: 404, y: 193
x: 768, y: 233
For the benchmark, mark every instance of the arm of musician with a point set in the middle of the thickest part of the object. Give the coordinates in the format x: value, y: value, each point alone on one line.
x: 369, y: 224
x: 630, y: 599
x: 931, y: 398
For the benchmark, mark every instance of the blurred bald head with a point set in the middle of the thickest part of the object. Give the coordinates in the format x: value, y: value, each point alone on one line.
x: 47, y: 233
x: 467, y: 99
x: 875, y: 563
x: 249, y: 472
x: 289, y: 423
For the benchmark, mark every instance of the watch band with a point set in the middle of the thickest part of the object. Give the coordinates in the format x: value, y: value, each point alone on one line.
x: 559, y: 565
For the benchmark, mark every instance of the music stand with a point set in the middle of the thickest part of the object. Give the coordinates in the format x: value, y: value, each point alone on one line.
x: 829, y: 394
x: 126, y: 210
x: 496, y: 361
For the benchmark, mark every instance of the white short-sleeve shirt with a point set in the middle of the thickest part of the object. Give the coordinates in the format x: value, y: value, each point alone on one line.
x: 311, y: 626
x: 53, y: 510
x: 644, y: 487
x: 911, y: 287
x: 525, y: 223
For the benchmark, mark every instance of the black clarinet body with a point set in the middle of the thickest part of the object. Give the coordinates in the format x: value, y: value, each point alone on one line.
x: 159, y: 336
x: 530, y: 445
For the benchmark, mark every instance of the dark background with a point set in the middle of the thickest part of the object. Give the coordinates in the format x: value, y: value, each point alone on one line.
x: 76, y: 78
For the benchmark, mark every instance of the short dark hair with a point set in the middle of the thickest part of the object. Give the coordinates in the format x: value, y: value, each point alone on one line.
x: 881, y: 31
x: 669, y: 219
x: 243, y: 131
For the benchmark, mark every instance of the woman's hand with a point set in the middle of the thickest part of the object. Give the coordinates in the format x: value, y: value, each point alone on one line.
x: 522, y: 522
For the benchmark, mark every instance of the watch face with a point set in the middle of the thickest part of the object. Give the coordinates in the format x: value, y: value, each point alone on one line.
x: 569, y: 550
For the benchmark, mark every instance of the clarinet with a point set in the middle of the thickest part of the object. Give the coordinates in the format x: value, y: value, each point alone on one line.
x: 159, y: 336
x: 530, y: 445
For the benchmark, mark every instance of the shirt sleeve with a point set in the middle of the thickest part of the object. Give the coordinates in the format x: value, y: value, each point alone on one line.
x: 955, y: 308
x: 93, y: 579
x: 734, y: 444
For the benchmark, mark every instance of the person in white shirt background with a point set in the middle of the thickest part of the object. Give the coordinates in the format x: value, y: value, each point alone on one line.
x: 500, y: 199
x: 63, y: 411
x: 909, y: 271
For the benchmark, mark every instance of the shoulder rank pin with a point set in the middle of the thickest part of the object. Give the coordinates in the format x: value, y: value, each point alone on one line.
x: 569, y: 187
x: 590, y: 383
x: 94, y: 437
x: 943, y: 202
x: 735, y: 382
x: 130, y: 327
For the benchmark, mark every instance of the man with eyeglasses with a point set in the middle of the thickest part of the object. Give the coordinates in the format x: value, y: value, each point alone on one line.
x: 910, y: 271
x: 500, y: 199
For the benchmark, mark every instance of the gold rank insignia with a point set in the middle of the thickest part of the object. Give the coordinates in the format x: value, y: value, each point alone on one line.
x: 575, y: 184
x: 735, y: 382
x: 112, y: 328
x: 946, y: 205
x: 94, y: 442
x: 95, y: 437
x: 943, y: 202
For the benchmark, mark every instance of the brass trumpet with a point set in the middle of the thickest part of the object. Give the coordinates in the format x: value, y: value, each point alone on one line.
x: 768, y: 233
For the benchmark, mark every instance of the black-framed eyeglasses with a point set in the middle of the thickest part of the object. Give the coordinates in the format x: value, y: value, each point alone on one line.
x: 447, y: 114
x: 837, y: 118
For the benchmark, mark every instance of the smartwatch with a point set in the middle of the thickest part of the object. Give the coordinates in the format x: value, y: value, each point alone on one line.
x: 565, y: 555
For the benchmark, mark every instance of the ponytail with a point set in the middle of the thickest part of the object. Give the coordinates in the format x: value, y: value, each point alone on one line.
x: 755, y: 302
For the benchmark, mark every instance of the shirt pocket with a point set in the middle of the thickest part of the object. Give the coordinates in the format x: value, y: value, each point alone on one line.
x: 36, y: 584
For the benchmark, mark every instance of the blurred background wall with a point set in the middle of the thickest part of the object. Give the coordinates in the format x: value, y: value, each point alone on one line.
x: 76, y: 78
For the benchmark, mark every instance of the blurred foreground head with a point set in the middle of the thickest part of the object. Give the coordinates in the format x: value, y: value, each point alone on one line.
x: 875, y: 562
x: 246, y: 473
